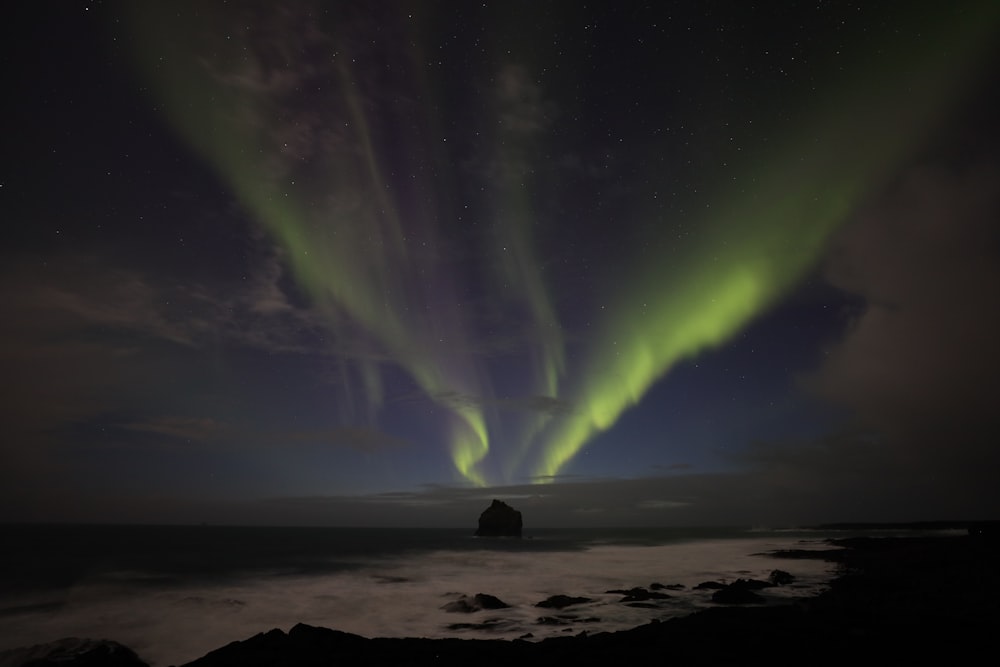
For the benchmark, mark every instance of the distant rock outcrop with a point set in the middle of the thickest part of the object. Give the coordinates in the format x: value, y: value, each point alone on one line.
x: 499, y: 520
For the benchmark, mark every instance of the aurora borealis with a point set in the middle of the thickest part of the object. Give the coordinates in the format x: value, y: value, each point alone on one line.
x: 327, y: 253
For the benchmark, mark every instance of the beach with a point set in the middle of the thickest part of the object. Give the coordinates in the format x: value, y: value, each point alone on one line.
x: 899, y: 597
x: 175, y: 593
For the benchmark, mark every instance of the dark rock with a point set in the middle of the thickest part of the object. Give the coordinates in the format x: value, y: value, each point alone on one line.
x: 561, y: 601
x: 565, y: 619
x: 736, y: 596
x: 638, y: 595
x: 708, y: 585
x: 73, y: 652
x: 833, y: 555
x: 489, y: 601
x: 751, y: 584
x: 499, y: 520
x: 554, y: 620
x: 462, y: 605
x: 467, y: 605
x: 657, y: 586
x: 780, y: 577
x: 889, y: 615
x: 490, y: 625
x: 740, y: 591
x: 645, y: 595
x: 303, y: 645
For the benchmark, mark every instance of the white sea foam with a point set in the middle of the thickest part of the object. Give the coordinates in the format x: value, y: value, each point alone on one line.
x: 403, y: 597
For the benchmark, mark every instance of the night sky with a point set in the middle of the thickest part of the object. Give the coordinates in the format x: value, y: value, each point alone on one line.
x: 619, y: 263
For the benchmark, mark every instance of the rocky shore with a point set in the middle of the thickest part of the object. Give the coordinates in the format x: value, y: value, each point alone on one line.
x: 897, y: 599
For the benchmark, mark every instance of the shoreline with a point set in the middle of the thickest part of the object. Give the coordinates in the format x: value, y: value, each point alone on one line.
x: 898, y: 597
x: 894, y: 596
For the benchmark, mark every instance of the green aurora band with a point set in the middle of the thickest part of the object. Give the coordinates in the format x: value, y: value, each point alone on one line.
x: 316, y: 184
x: 757, y: 239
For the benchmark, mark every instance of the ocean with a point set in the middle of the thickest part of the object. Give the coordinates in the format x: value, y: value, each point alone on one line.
x: 174, y: 593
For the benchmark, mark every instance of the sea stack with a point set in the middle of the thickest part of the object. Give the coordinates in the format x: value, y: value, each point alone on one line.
x: 499, y: 520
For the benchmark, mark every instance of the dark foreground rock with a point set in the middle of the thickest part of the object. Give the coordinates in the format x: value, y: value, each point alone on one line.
x: 638, y: 594
x: 561, y: 601
x: 467, y: 605
x: 897, y: 601
x: 737, y: 593
x: 914, y: 600
x: 781, y: 578
x: 657, y: 586
x: 73, y: 652
x: 499, y: 520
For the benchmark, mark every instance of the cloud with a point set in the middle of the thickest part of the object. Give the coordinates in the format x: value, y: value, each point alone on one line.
x: 60, y: 296
x: 673, y: 467
x: 850, y: 477
x: 524, y: 111
x: 356, y: 437
x: 917, y: 368
x: 693, y: 500
x: 81, y: 337
x: 209, y: 430
x: 199, y: 429
x: 921, y: 358
x: 661, y: 504
x: 546, y: 405
x: 78, y: 296
x: 87, y: 344
x: 789, y: 484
